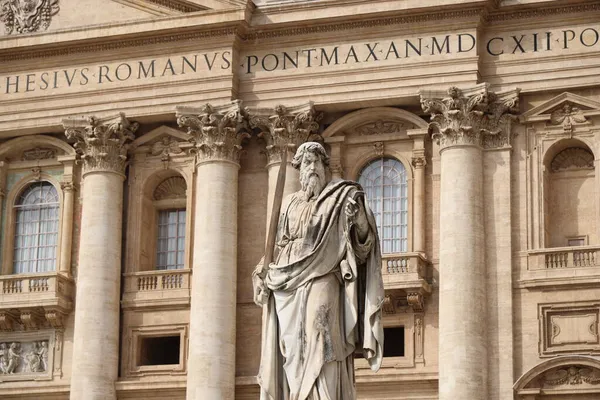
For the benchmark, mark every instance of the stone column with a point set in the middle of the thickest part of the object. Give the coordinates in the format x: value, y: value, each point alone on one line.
x: 419, y: 162
x: 217, y: 135
x: 284, y: 129
x: 463, y: 122
x: 101, y: 145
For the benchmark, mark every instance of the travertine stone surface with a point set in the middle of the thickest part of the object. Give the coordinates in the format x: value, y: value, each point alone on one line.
x: 211, y: 359
x: 96, y: 338
x: 464, y: 122
x: 101, y: 145
x: 217, y: 134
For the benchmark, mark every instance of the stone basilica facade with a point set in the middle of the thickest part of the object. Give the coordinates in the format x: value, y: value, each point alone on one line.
x: 140, y: 142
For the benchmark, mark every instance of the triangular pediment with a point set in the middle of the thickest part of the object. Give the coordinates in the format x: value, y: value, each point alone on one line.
x: 50, y: 15
x: 161, y: 141
x: 564, y: 103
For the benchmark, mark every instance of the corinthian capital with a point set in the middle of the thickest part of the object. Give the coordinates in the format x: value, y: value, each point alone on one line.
x: 217, y: 132
x: 475, y: 116
x: 286, y: 128
x: 101, y: 143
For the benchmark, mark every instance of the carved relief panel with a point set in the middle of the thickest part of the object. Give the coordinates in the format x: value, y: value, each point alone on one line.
x: 569, y: 328
x: 30, y: 356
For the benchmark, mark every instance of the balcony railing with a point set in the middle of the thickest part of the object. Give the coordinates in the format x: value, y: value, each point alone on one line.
x: 156, y: 288
x: 405, y: 280
x: 50, y: 289
x: 564, y: 257
x: 561, y: 266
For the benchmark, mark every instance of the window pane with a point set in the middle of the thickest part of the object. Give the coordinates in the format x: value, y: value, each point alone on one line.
x: 36, y: 229
x: 386, y: 191
x: 171, y: 239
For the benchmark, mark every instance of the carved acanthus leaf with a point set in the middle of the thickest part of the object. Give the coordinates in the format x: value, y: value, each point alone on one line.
x: 101, y: 144
x: 479, y: 118
x: 286, y: 129
x: 216, y: 132
x: 25, y: 16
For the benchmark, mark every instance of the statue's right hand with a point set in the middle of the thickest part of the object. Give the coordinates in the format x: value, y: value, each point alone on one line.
x: 261, y: 292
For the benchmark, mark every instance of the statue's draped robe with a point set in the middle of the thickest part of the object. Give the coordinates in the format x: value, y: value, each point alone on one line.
x: 326, y: 297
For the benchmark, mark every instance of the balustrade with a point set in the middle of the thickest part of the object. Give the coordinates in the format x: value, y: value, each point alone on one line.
x: 157, y: 288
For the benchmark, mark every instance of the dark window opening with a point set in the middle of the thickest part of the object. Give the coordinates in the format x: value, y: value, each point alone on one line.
x: 393, y: 342
x: 160, y: 350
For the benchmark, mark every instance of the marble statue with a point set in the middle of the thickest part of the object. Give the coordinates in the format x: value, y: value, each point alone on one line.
x: 323, y: 295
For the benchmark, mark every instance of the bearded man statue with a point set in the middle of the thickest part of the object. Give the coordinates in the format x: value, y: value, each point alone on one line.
x: 323, y: 294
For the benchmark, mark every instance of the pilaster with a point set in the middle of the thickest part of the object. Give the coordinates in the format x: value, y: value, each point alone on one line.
x: 101, y: 145
x: 217, y: 134
x: 464, y: 122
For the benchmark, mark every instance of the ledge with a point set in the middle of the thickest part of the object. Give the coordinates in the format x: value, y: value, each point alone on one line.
x: 157, y: 289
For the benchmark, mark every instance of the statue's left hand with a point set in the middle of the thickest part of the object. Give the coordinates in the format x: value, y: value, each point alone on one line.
x: 356, y: 214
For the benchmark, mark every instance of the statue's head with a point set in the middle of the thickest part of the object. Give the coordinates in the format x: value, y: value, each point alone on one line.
x: 311, y: 159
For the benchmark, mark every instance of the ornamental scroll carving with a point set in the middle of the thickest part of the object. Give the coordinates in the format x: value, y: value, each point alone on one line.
x: 217, y: 133
x: 479, y: 117
x: 101, y: 144
x: 286, y: 128
x: 571, y: 375
x: 25, y: 16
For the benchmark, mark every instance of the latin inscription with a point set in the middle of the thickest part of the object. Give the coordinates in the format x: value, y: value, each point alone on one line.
x: 398, y: 51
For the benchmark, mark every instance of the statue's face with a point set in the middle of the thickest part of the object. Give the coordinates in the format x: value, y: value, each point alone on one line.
x: 312, y: 174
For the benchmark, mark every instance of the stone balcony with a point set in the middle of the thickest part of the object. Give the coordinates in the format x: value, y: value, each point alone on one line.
x: 560, y: 266
x: 405, y: 280
x: 35, y: 300
x: 156, y: 289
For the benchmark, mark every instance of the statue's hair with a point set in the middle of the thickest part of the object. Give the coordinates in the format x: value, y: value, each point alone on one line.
x: 310, y: 147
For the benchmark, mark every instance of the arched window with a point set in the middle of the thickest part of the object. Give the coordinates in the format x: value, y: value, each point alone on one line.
x: 36, y: 229
x: 384, y: 182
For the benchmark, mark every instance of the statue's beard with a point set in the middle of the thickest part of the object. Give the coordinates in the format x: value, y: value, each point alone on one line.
x: 312, y: 184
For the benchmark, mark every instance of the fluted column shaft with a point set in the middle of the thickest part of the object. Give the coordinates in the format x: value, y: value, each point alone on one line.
x: 96, y: 338
x: 217, y: 135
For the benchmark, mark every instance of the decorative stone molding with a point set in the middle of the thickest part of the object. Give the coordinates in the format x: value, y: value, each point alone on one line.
x: 419, y: 161
x: 567, y: 115
x: 31, y: 319
x: 475, y: 117
x: 166, y: 147
x: 571, y: 375
x: 25, y: 16
x: 101, y: 144
x: 381, y: 127
x: 416, y: 301
x: 379, y: 149
x: 55, y: 319
x: 419, y: 333
x: 572, y: 158
x: 286, y: 128
x: 171, y: 188
x: 216, y: 132
x: 38, y: 154
x: 7, y: 321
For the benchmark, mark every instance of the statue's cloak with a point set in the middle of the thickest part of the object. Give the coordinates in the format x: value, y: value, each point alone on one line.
x: 330, y: 246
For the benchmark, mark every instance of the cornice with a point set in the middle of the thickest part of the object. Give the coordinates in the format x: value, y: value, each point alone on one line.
x: 258, y: 33
x: 176, y: 5
x: 539, y: 12
x: 119, y: 44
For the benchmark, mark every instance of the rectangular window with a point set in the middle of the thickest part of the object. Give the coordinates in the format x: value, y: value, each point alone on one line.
x: 163, y: 350
x: 576, y: 241
x: 393, y: 342
x: 170, y: 249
